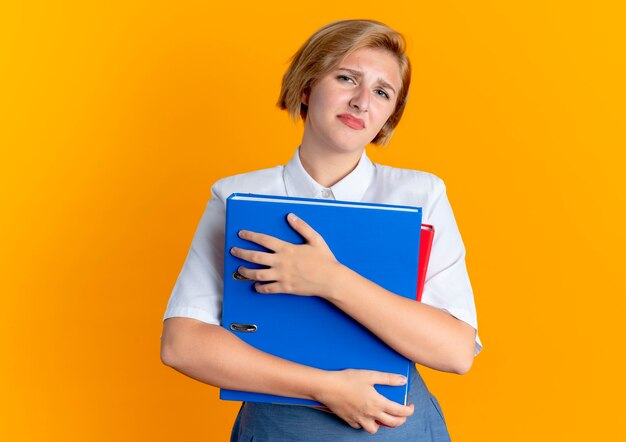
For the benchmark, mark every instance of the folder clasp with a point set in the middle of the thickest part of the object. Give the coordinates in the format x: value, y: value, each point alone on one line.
x: 245, y: 328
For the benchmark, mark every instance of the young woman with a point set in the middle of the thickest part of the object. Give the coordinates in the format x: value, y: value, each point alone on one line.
x: 349, y: 83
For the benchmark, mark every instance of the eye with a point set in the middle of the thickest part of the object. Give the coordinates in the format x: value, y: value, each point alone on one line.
x: 382, y: 93
x: 345, y: 78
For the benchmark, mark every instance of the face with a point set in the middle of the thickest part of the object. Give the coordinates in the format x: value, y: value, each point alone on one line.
x: 348, y: 106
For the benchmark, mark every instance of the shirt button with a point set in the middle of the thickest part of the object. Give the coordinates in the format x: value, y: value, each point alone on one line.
x: 326, y: 193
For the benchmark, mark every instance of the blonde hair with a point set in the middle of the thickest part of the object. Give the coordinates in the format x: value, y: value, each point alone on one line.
x: 325, y: 49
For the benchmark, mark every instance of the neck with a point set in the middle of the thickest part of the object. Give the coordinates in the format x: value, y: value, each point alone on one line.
x: 328, y: 168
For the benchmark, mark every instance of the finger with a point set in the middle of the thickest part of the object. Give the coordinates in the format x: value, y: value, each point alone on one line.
x: 383, y: 425
x: 306, y: 231
x: 388, y: 420
x: 254, y: 256
x: 370, y: 426
x: 383, y: 378
x: 269, y: 287
x: 267, y: 241
x: 395, y: 409
x: 256, y: 274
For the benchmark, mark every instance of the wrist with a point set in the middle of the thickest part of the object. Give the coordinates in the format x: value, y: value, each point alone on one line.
x: 336, y: 282
x: 321, y: 386
x: 315, y: 384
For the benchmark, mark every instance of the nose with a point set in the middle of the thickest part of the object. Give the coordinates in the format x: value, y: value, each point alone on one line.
x: 360, y: 100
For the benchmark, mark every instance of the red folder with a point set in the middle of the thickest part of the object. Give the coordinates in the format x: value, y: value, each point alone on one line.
x: 426, y: 243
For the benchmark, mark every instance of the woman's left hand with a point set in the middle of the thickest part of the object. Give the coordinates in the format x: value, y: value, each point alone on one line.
x: 298, y: 269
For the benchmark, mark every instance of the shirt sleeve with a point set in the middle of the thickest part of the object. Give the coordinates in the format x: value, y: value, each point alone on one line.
x: 198, y: 291
x: 447, y: 284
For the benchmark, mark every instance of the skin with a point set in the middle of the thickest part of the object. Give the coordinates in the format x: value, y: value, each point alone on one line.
x: 362, y: 86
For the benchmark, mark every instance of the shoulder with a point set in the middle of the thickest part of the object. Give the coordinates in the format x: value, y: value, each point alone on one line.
x: 267, y: 181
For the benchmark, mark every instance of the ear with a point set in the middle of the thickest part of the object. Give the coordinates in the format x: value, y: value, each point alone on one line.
x: 305, y: 97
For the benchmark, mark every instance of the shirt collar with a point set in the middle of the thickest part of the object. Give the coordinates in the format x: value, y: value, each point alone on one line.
x: 351, y: 188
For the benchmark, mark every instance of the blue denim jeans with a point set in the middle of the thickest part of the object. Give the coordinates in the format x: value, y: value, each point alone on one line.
x: 260, y: 422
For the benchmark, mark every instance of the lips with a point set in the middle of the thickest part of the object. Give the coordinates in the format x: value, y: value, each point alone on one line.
x: 352, y: 122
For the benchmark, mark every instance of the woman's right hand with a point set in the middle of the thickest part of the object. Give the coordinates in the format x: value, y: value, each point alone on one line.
x: 351, y: 395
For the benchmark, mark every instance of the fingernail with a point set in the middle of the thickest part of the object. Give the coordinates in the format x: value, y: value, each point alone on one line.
x: 292, y: 217
x: 403, y: 379
x: 233, y: 249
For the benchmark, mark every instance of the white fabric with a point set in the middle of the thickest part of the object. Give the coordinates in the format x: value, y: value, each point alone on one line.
x: 198, y: 291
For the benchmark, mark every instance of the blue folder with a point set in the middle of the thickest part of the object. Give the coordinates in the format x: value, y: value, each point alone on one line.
x: 380, y: 242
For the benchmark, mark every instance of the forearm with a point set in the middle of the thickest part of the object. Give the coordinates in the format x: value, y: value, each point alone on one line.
x: 422, y: 333
x: 214, y: 356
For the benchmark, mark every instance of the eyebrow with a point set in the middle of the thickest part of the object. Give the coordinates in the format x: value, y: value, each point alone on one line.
x: 359, y: 74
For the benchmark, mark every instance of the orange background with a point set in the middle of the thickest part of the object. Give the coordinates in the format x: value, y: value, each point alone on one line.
x: 116, y: 118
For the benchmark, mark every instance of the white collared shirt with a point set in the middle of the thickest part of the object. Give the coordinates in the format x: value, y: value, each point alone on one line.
x: 198, y: 291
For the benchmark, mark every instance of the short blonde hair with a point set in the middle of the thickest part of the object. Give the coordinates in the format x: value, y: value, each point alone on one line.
x: 325, y: 49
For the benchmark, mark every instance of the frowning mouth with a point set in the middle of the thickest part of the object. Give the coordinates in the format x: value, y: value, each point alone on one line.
x: 352, y: 122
